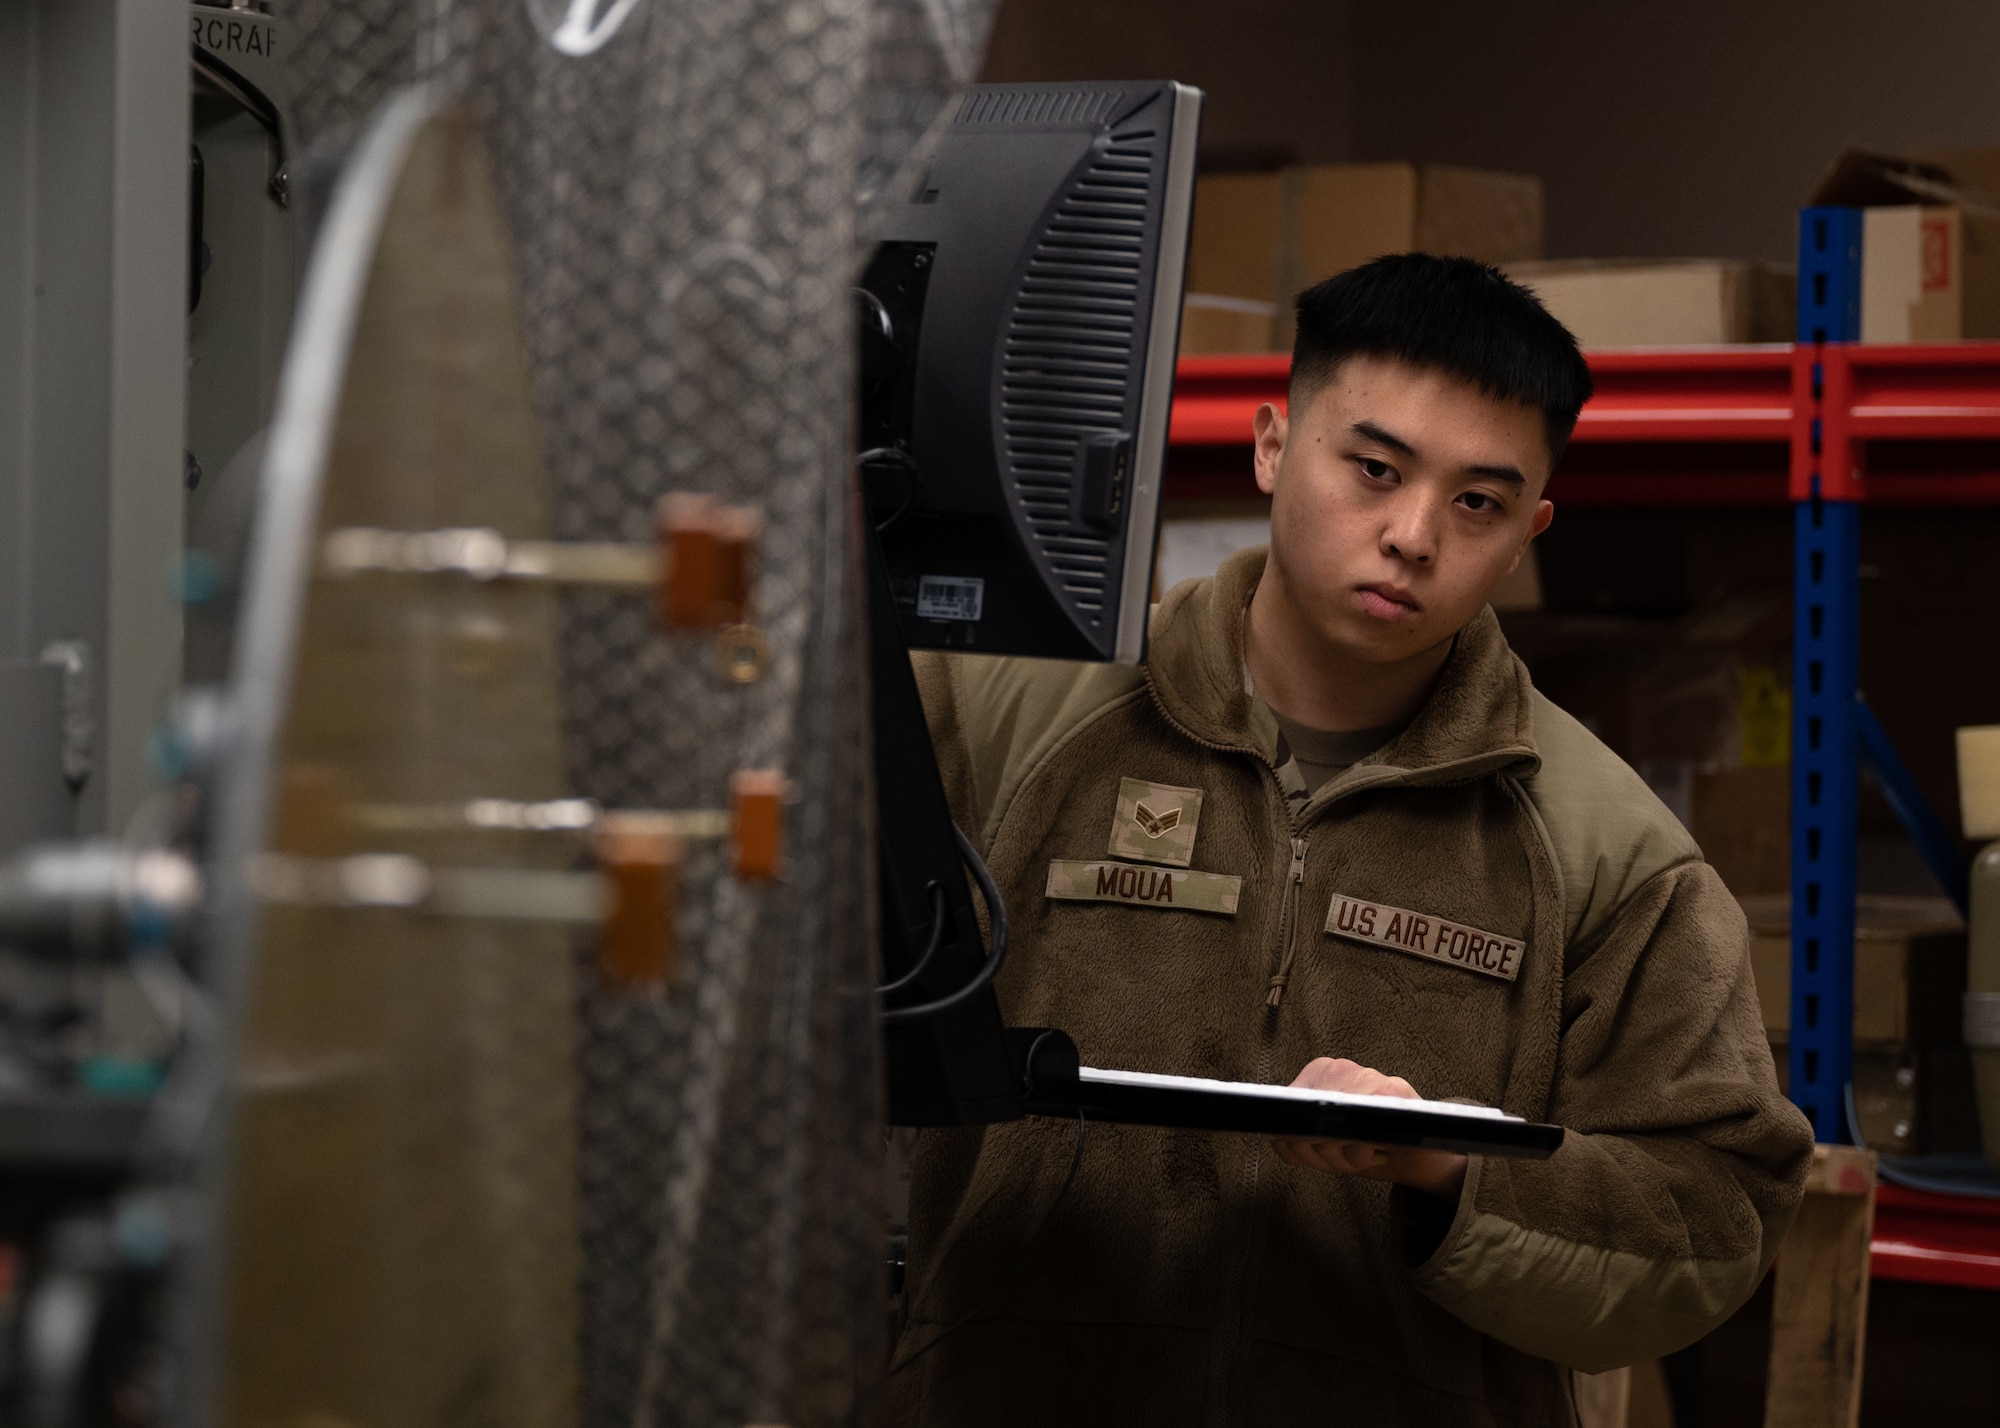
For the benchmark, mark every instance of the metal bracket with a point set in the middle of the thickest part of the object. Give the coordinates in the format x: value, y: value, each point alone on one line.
x: 1934, y: 841
x: 79, y: 727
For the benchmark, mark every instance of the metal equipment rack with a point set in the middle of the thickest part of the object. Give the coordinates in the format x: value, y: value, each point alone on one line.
x: 1824, y: 426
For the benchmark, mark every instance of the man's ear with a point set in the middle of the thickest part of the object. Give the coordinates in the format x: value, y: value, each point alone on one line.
x: 1545, y: 511
x: 1270, y: 428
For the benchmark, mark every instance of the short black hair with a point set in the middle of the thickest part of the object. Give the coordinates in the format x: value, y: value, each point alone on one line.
x: 1452, y: 314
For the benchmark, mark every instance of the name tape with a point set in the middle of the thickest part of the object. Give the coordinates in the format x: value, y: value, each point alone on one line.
x: 1398, y: 928
x: 1074, y: 881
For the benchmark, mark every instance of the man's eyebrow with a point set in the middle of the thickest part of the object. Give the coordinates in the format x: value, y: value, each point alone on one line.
x: 1382, y: 437
x: 1511, y: 475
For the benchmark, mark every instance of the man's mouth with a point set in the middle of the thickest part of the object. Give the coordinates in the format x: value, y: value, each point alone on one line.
x: 1388, y: 602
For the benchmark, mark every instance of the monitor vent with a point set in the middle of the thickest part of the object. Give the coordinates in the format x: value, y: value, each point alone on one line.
x: 1038, y: 106
x: 1079, y: 318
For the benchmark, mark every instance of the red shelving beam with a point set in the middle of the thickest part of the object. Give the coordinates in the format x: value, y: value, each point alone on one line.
x: 1695, y: 427
x: 1682, y: 426
x: 1936, y: 1239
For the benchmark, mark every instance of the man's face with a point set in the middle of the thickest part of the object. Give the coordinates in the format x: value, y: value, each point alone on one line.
x: 1400, y: 497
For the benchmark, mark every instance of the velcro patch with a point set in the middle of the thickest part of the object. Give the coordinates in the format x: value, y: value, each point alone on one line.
x: 1155, y: 822
x: 1075, y: 881
x: 1405, y: 931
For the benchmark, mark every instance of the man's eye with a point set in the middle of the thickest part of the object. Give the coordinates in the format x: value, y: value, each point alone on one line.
x: 1373, y: 469
x: 1479, y: 501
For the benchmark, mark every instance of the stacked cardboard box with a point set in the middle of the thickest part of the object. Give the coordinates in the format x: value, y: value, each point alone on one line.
x: 1649, y: 302
x: 1262, y: 238
x: 1930, y: 241
x: 1700, y: 705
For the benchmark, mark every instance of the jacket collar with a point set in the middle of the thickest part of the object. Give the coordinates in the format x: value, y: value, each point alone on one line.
x: 1478, y: 719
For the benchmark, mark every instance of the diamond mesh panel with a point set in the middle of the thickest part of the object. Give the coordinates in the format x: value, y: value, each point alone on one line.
x: 347, y: 56
x: 690, y: 199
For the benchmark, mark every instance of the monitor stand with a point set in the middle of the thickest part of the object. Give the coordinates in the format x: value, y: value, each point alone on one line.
x: 959, y: 1065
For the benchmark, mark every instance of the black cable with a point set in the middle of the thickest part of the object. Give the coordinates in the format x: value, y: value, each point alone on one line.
x: 896, y: 456
x: 930, y: 949
x: 1020, y: 1260
x: 995, y: 909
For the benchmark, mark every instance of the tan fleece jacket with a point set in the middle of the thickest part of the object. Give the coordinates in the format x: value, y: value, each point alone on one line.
x: 1190, y: 1278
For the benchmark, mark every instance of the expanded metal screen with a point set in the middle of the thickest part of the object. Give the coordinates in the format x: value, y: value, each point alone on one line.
x: 691, y: 188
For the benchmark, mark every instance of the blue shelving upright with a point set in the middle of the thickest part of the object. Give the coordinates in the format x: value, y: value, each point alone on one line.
x: 1826, y: 612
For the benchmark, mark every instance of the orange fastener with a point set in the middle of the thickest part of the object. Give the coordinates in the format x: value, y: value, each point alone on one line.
x: 757, y: 800
x: 737, y: 531
x: 707, y: 554
x: 638, y: 944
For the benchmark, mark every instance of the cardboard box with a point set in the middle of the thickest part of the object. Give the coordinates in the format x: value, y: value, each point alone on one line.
x: 1930, y: 245
x: 1651, y: 303
x: 1909, y: 969
x: 1742, y: 821
x: 1212, y: 323
x: 1269, y: 236
x: 1341, y: 215
x: 1233, y: 248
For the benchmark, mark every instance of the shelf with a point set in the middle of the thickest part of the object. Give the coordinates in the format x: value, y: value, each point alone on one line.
x: 1938, y: 391
x: 1215, y: 397
x: 1688, y: 427
x: 1936, y: 1239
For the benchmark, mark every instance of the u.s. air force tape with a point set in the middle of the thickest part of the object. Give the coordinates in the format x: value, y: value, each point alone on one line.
x: 1144, y: 887
x: 1433, y: 937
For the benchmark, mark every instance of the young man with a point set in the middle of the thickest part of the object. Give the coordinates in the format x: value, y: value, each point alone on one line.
x: 1334, y: 740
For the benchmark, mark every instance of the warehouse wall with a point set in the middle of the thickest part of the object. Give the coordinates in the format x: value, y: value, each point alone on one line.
x: 1686, y: 129
x: 1693, y: 128
x: 1278, y: 73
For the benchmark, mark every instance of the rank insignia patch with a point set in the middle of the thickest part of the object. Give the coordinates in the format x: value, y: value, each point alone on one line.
x: 1155, y: 822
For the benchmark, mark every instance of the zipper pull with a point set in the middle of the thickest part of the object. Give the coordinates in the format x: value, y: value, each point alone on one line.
x: 1285, y: 921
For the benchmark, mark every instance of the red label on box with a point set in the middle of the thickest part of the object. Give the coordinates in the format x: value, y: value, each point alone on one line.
x: 1937, y: 254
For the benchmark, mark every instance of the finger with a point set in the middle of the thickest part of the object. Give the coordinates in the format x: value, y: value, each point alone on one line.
x: 1328, y: 1073
x: 1314, y: 1154
x: 1341, y: 1157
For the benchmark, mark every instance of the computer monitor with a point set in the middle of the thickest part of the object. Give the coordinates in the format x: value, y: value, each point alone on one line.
x: 1019, y: 326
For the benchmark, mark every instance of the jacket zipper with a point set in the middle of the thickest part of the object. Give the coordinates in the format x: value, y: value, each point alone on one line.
x: 1287, y: 915
x: 1230, y: 1327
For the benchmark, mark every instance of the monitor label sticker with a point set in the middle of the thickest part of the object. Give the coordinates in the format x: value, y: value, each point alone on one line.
x: 1073, y: 881
x: 1405, y: 931
x: 950, y: 597
x: 1155, y: 822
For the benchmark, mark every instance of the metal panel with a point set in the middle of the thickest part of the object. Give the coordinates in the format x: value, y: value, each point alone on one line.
x: 36, y: 806
x: 93, y: 153
x: 147, y: 395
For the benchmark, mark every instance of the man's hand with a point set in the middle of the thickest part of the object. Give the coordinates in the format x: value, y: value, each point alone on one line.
x: 1435, y: 1172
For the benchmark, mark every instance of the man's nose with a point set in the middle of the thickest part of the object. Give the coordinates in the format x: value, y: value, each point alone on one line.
x: 1412, y: 530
